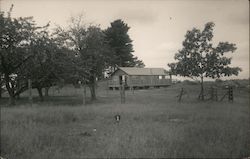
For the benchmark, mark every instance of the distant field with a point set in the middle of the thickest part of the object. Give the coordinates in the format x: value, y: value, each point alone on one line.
x: 153, y: 124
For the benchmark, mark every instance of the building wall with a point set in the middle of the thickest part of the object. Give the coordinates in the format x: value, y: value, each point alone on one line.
x: 148, y: 81
x: 140, y: 80
x: 115, y: 78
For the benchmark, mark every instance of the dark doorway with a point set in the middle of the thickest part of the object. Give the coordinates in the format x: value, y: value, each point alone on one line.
x: 120, y: 80
x: 123, y: 79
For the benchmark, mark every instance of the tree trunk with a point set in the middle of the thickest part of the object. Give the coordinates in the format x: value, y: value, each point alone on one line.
x: 40, y: 92
x: 11, y: 95
x: 46, y: 91
x: 10, y: 90
x: 12, y: 100
x: 84, y: 94
x: 92, y: 91
x: 18, y: 87
x: 1, y: 84
x: 201, y: 96
x: 0, y: 88
x: 30, y: 91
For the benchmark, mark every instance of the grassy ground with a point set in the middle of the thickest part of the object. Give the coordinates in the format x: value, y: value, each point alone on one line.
x: 153, y: 124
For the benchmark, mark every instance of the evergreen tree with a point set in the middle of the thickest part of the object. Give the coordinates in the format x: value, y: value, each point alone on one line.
x: 120, y: 43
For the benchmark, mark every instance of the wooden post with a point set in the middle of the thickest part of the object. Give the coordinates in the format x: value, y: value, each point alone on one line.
x: 230, y: 94
x: 30, y: 91
x: 107, y: 92
x: 216, y: 94
x: 180, y: 96
x: 170, y: 78
x: 122, y: 93
x: 212, y: 93
x: 84, y: 93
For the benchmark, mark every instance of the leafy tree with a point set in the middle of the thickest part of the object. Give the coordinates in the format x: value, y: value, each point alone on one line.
x: 46, y: 62
x: 90, y: 49
x: 15, y: 37
x: 29, y: 52
x: 199, y: 59
x: 95, y: 55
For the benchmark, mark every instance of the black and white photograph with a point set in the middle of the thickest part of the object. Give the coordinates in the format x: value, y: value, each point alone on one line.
x: 124, y: 79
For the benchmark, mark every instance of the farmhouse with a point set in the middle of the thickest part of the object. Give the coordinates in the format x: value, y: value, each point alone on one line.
x: 133, y: 77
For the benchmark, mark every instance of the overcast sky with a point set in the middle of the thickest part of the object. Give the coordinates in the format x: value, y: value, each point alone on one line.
x: 157, y: 27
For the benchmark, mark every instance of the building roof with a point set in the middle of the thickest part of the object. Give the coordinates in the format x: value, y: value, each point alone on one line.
x: 143, y: 71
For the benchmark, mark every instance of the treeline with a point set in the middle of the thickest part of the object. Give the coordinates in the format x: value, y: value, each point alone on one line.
x: 77, y: 53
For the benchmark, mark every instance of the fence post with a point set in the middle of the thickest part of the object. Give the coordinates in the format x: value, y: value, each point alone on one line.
x: 84, y: 93
x: 180, y: 96
x: 122, y: 93
x: 30, y: 91
x: 230, y: 94
x: 107, y: 92
x: 132, y: 89
x: 212, y: 92
x: 216, y: 94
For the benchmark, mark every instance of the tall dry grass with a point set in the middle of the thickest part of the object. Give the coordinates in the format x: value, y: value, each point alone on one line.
x: 153, y: 124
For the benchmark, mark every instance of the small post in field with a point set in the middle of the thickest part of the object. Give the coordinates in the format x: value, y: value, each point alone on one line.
x: 107, y: 92
x: 180, y: 95
x: 133, y: 89
x: 216, y: 94
x: 123, y: 88
x: 122, y: 92
x: 30, y: 91
x: 230, y: 94
x: 84, y: 93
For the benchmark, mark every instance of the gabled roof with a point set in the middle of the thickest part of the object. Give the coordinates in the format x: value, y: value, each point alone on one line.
x: 143, y: 71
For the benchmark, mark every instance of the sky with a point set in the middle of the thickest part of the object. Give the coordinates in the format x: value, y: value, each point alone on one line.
x: 157, y: 27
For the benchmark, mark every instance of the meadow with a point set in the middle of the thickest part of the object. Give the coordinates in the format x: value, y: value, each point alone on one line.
x: 153, y: 125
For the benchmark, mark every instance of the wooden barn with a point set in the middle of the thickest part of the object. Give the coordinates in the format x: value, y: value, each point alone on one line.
x: 133, y: 77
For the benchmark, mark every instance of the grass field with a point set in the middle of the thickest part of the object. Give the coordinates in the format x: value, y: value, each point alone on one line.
x: 153, y: 124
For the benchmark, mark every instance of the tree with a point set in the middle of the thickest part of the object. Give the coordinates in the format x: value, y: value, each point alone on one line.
x: 90, y: 49
x: 51, y: 63
x: 95, y: 54
x: 23, y: 45
x: 120, y: 46
x: 136, y: 63
x: 120, y: 43
x: 199, y: 59
x: 15, y: 37
x: 43, y: 71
